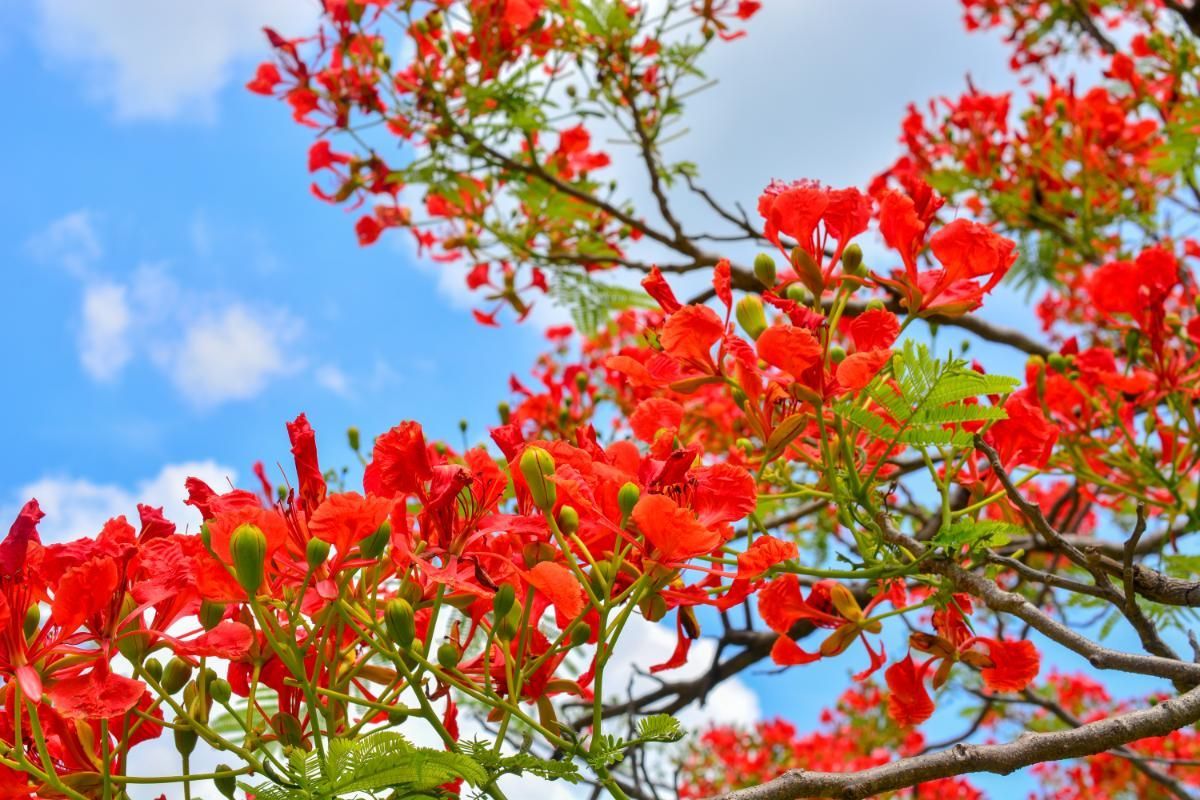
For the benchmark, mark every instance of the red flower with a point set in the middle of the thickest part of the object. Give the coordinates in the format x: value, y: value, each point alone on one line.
x: 1016, y: 665
x: 790, y: 348
x: 908, y: 702
x: 399, y: 463
x: 676, y: 534
x: 346, y: 518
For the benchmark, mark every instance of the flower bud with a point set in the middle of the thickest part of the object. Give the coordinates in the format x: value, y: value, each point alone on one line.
x: 185, y: 737
x: 568, y: 520
x: 809, y: 271
x: 1057, y: 362
x: 581, y: 381
x: 154, y: 669
x: 352, y: 437
x: 176, y: 675
x: 580, y: 634
x: 33, y: 618
x: 749, y: 312
x: 745, y: 445
x: 852, y: 261
x: 248, y: 548
x: 798, y: 294
x: 764, y: 270
x: 226, y: 784
x: 505, y: 412
x: 210, y: 614
x: 506, y: 628
x: 837, y: 354
x: 315, y: 552
x: 536, y: 552
x: 448, y: 655
x: 372, y: 546
x: 627, y: 498
x: 400, y: 622
x: 503, y: 600
x: 875, y: 304
x: 536, y: 467
x: 220, y: 690
x: 398, y: 715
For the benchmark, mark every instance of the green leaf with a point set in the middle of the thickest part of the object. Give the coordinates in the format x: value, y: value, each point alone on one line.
x: 968, y: 532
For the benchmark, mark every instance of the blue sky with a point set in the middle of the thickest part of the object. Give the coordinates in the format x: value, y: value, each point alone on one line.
x: 175, y: 293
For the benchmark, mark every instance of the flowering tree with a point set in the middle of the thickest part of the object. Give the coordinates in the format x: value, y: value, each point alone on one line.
x: 783, y: 463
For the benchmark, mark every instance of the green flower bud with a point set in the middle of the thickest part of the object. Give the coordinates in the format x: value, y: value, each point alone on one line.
x: 568, y: 520
x: 315, y: 552
x: 506, y: 628
x: 809, y: 271
x: 837, y: 354
x: 764, y: 270
x: 372, y: 546
x: 176, y: 675
x: 398, y: 715
x: 248, y: 548
x: 352, y: 437
x: 448, y: 655
x: 206, y: 535
x: 154, y: 669
x: 400, y: 622
x: 185, y: 738
x: 536, y: 467
x: 226, y: 784
x: 220, y: 690
x: 1057, y: 362
x: 581, y: 381
x: 798, y: 294
x: 749, y: 312
x: 33, y: 618
x: 852, y: 261
x: 744, y: 444
x: 503, y: 600
x: 627, y: 498
x: 505, y: 412
x: 211, y: 613
x: 875, y: 304
x: 580, y: 634
x: 537, y: 552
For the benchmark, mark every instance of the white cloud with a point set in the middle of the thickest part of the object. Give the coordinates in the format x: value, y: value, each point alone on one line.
x: 333, y: 379
x: 230, y: 355
x: 70, y: 242
x: 104, y: 346
x: 153, y: 59
x: 79, y: 507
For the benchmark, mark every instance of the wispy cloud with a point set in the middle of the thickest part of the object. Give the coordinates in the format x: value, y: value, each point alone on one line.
x: 150, y: 59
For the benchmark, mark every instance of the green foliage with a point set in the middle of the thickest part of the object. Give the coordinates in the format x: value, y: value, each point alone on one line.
x: 591, y: 302
x: 520, y: 763
x: 609, y: 749
x: 968, y: 532
x: 380, y: 761
x: 928, y: 404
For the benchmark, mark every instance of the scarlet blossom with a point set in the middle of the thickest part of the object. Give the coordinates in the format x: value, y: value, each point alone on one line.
x: 874, y: 329
x: 690, y: 333
x: 674, y: 532
x: 1025, y: 437
x: 346, y: 518
x: 99, y: 694
x: 308, y: 469
x: 653, y: 415
x: 908, y: 701
x: 559, y: 586
x: 1016, y: 664
x: 859, y: 369
x: 399, y: 463
x: 790, y: 348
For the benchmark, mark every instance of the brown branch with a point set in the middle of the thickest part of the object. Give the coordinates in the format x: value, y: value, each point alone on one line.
x: 999, y: 759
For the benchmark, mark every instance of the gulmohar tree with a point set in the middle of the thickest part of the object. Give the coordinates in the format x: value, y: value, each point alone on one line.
x: 782, y: 463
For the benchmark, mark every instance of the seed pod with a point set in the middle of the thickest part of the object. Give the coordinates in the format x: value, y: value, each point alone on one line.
x: 220, y: 690
x: 211, y: 613
x: 568, y: 520
x: 185, y: 737
x: 226, y: 784
x: 750, y: 316
x: 627, y: 498
x: 503, y: 600
x: 176, y: 675
x: 449, y: 654
x: 248, y: 548
x: 764, y: 270
x: 400, y: 622
x: 580, y: 634
x: 536, y: 467
x: 372, y: 546
x: 315, y: 552
x: 852, y: 261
